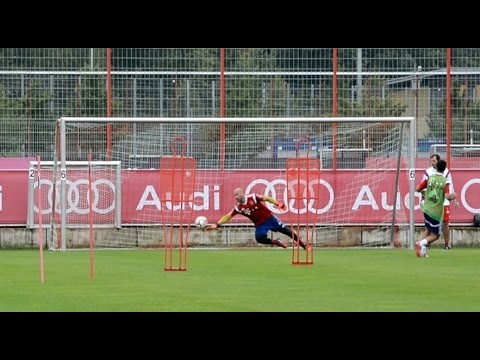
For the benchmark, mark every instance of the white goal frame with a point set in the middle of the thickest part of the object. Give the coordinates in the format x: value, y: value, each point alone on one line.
x: 410, y: 120
x: 64, y: 172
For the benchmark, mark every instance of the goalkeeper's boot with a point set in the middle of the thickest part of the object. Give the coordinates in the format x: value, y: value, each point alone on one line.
x: 303, y: 245
x: 281, y: 243
x: 306, y: 247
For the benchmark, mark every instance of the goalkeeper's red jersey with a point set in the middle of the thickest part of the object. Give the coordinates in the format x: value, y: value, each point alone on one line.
x: 254, y: 208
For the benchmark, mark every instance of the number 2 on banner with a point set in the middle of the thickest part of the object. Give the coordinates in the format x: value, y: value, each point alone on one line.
x: 411, y: 174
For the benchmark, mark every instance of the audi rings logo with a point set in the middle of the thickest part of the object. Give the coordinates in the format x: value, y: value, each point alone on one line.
x: 278, y: 190
x: 77, y: 196
x: 466, y: 200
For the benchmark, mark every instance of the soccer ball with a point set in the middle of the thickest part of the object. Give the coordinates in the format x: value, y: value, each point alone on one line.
x: 201, y: 221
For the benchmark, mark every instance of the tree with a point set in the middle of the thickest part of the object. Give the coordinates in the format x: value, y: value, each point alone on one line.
x: 464, y: 119
x: 13, y: 124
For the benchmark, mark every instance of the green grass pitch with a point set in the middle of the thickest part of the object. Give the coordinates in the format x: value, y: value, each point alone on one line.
x: 242, y: 280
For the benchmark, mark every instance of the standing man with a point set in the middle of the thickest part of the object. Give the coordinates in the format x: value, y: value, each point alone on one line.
x: 437, y: 189
x: 253, y: 207
x: 446, y: 215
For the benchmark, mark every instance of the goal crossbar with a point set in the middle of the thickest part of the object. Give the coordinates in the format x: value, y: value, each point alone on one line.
x: 367, y: 119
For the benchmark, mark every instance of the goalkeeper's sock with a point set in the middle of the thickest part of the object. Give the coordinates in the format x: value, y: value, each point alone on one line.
x: 423, y: 242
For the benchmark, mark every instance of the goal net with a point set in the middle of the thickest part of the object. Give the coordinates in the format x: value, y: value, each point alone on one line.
x: 360, y: 197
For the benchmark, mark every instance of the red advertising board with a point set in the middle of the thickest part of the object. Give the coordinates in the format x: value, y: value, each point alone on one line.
x: 348, y: 197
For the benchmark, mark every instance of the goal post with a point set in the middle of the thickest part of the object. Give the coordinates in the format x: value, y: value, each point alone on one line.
x: 367, y: 176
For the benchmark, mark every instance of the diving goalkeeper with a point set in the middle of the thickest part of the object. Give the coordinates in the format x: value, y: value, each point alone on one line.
x: 253, y: 207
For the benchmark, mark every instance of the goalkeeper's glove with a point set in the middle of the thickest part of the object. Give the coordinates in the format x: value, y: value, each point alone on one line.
x: 281, y: 205
x: 213, y: 226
